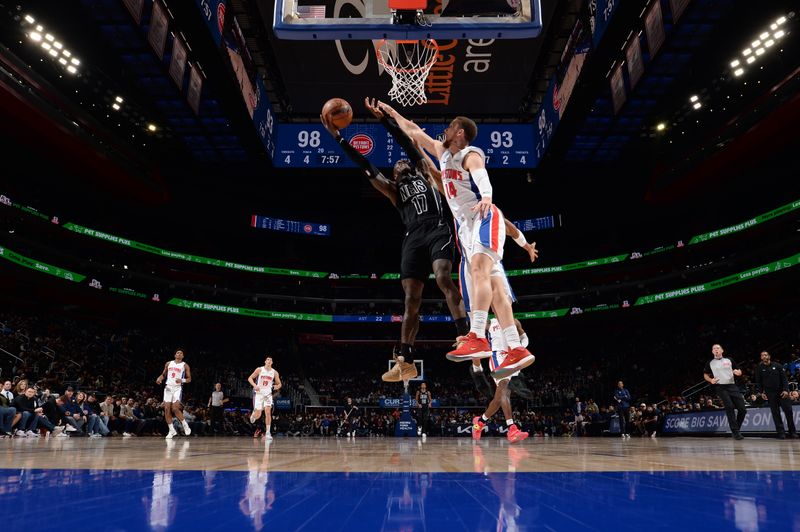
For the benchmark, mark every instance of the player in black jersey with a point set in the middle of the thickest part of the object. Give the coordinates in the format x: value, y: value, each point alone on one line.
x: 429, y: 243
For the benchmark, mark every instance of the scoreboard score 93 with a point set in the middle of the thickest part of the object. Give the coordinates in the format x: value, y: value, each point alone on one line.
x: 310, y: 146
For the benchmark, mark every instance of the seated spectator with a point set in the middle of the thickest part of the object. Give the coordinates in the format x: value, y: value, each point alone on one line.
x: 7, y: 410
x: 73, y: 415
x: 32, y: 415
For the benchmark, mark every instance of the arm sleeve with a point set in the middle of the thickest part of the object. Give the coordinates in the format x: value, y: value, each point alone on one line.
x: 402, y: 139
x: 367, y: 167
x: 707, y: 369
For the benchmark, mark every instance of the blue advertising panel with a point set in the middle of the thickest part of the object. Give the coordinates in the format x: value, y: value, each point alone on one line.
x: 213, y: 12
x: 388, y: 318
x: 713, y: 421
x: 283, y: 403
x: 290, y: 226
x: 310, y: 146
x: 398, y: 402
x: 264, y: 118
x: 536, y: 224
x: 602, y: 18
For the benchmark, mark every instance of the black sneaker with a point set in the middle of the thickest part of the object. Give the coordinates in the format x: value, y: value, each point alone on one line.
x: 781, y: 436
x: 738, y: 436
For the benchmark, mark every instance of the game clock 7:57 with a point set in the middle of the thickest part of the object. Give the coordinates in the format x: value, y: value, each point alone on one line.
x: 329, y: 159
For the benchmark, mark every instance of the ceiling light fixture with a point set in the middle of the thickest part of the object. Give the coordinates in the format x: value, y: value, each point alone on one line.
x: 697, y: 105
x: 734, y: 63
x: 738, y: 72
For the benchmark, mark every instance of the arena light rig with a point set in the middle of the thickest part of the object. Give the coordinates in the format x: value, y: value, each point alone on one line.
x: 51, y: 46
x: 759, y: 46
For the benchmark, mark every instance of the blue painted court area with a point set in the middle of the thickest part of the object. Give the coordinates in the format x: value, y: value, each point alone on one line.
x: 233, y: 500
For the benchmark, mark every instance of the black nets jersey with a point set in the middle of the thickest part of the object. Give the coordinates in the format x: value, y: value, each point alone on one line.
x: 417, y: 201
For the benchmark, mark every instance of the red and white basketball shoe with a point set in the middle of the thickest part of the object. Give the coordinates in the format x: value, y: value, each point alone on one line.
x: 517, y: 359
x: 477, y: 428
x: 470, y: 347
x: 514, y: 434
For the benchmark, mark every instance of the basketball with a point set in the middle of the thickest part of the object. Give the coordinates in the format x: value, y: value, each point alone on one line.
x: 338, y: 112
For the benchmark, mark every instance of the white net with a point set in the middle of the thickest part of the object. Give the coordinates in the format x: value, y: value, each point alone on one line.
x: 408, y: 63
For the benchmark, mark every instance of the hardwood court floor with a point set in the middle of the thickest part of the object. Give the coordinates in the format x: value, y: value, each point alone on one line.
x: 436, y: 455
x: 396, y: 484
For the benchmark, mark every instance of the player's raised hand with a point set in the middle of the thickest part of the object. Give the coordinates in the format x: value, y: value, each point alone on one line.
x: 533, y: 253
x: 386, y: 108
x: 329, y: 126
x: 372, y: 106
x: 483, y: 206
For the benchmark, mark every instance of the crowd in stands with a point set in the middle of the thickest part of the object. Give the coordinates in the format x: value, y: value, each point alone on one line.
x: 65, y: 376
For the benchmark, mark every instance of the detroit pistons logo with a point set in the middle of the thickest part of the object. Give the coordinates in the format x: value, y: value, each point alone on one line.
x: 220, y: 16
x: 307, y: 228
x: 556, y: 99
x: 362, y: 143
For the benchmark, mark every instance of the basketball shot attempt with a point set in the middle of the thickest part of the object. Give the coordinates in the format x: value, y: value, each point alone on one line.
x: 428, y: 244
x: 264, y: 380
x: 177, y: 373
x: 481, y: 231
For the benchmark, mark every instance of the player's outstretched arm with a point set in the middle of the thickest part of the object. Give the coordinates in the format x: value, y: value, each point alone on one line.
x: 277, y: 384
x: 518, y: 237
x: 433, y: 174
x: 413, y: 130
x: 409, y: 145
x: 376, y: 178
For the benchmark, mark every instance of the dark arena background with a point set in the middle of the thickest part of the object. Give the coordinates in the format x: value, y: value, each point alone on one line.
x: 167, y: 185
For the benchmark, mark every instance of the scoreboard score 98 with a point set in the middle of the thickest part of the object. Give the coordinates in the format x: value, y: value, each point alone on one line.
x: 310, y: 146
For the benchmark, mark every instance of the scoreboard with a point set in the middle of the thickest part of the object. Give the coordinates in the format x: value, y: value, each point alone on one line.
x: 311, y: 146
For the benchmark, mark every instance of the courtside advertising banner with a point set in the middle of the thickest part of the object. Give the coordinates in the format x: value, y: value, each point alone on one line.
x: 715, y: 421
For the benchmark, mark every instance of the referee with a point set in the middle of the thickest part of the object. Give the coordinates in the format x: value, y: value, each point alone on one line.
x: 774, y: 387
x: 216, y: 402
x: 720, y: 371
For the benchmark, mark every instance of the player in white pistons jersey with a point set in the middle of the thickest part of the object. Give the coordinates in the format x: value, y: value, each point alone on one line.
x: 481, y: 233
x: 177, y: 373
x: 264, y: 380
x: 502, y: 394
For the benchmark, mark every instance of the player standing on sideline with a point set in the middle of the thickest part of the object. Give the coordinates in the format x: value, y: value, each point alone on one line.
x: 720, y: 371
x: 424, y: 400
x: 623, y: 398
x: 481, y: 233
x: 771, y: 381
x: 502, y: 394
x: 268, y: 380
x: 428, y: 244
x: 177, y: 373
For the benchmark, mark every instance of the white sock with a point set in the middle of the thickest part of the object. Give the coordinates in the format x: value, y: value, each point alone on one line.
x: 524, y: 340
x: 267, y: 431
x: 512, y: 337
x: 478, y: 325
x: 509, y: 422
x: 477, y: 368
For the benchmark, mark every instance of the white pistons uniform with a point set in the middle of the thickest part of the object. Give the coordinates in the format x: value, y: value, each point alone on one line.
x: 499, y: 348
x: 172, y: 391
x: 475, y: 235
x: 264, y: 383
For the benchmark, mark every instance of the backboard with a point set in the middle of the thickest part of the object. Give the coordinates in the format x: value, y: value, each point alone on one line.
x: 373, y: 19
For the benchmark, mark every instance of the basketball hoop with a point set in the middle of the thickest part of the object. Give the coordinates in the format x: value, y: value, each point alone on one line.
x: 408, y: 62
